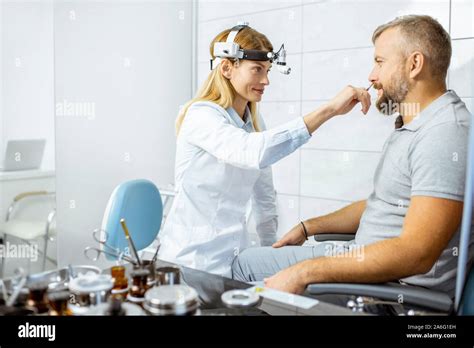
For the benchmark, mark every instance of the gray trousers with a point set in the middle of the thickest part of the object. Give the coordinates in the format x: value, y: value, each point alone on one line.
x: 254, y: 264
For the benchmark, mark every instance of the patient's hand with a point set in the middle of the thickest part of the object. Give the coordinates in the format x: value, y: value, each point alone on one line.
x: 294, y: 237
x: 290, y: 280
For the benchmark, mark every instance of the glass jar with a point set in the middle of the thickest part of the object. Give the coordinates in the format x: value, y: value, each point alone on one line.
x: 37, y: 298
x: 58, y: 303
x: 120, y: 280
x: 139, y: 282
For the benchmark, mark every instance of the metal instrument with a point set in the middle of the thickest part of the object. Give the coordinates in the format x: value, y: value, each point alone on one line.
x: 130, y: 241
x: 93, y: 253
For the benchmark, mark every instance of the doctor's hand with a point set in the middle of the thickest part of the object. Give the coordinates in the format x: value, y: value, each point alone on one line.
x: 295, y: 236
x: 346, y: 99
x: 339, y: 105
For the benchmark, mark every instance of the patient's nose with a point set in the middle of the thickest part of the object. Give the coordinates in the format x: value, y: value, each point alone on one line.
x: 373, y: 77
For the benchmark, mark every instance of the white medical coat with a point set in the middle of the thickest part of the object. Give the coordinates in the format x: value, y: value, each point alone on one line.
x: 222, y: 164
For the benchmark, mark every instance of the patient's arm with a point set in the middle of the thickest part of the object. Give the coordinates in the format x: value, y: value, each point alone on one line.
x: 345, y: 220
x: 428, y: 227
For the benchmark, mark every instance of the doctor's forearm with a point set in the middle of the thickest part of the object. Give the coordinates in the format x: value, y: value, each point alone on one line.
x: 315, y: 119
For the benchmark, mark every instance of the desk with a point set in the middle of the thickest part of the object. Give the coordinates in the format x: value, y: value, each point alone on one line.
x: 26, y: 174
x: 210, y: 287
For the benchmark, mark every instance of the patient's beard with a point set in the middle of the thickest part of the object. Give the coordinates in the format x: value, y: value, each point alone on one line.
x: 393, y: 95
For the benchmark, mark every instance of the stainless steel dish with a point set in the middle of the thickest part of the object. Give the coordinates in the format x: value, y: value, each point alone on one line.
x: 89, y: 290
x: 239, y: 298
x: 171, y: 300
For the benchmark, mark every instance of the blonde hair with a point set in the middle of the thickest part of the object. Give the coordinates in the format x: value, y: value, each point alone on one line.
x: 423, y: 33
x: 217, y: 88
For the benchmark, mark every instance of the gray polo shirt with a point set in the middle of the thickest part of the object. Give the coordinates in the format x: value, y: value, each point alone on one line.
x: 426, y: 157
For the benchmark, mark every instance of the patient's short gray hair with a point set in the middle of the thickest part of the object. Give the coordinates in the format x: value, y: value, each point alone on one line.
x: 425, y: 34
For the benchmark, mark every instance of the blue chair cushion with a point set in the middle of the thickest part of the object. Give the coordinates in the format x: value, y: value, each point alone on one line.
x: 139, y: 203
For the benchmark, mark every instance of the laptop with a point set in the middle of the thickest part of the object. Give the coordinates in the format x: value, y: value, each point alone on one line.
x: 23, y: 154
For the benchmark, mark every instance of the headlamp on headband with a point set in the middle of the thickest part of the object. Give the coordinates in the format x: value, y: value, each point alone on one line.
x: 232, y: 50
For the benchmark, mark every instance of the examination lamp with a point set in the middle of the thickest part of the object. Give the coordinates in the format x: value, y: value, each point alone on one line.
x: 232, y: 50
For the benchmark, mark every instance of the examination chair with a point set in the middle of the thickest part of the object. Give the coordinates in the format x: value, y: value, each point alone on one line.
x: 140, y: 203
x: 415, y: 300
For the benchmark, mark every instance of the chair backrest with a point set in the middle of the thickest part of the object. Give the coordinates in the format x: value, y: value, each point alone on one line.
x: 465, y: 290
x: 466, y: 305
x: 139, y: 203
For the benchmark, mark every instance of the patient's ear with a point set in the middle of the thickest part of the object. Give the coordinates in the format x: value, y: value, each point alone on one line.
x: 416, y: 63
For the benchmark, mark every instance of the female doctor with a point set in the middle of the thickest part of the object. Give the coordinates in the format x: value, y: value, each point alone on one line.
x: 224, y: 155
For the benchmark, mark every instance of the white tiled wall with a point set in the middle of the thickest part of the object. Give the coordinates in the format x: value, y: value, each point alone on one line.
x: 462, y: 19
x: 461, y: 72
x: 329, y: 45
x: 27, y: 74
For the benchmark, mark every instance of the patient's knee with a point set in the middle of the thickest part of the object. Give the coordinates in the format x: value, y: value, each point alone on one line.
x: 241, y: 265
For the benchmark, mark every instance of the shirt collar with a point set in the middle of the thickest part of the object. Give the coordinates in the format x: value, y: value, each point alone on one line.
x: 419, y: 120
x: 239, y: 121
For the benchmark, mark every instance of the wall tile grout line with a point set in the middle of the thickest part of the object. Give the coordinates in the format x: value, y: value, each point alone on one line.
x: 301, y: 111
x: 449, y: 17
x: 448, y: 75
x: 463, y: 38
x: 301, y: 4
x: 315, y: 197
x: 337, y: 49
x: 251, y: 13
x: 339, y: 150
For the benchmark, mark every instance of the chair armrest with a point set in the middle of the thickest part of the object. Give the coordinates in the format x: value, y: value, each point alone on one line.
x: 49, y: 222
x: 29, y: 194
x: 414, y: 295
x: 22, y: 196
x: 324, y: 237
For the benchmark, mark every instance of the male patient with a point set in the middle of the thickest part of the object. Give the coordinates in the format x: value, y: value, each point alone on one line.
x: 408, y: 228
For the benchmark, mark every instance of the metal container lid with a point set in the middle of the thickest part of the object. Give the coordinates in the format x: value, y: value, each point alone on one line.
x: 91, y: 283
x: 171, y: 300
x: 139, y: 273
x: 239, y: 298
